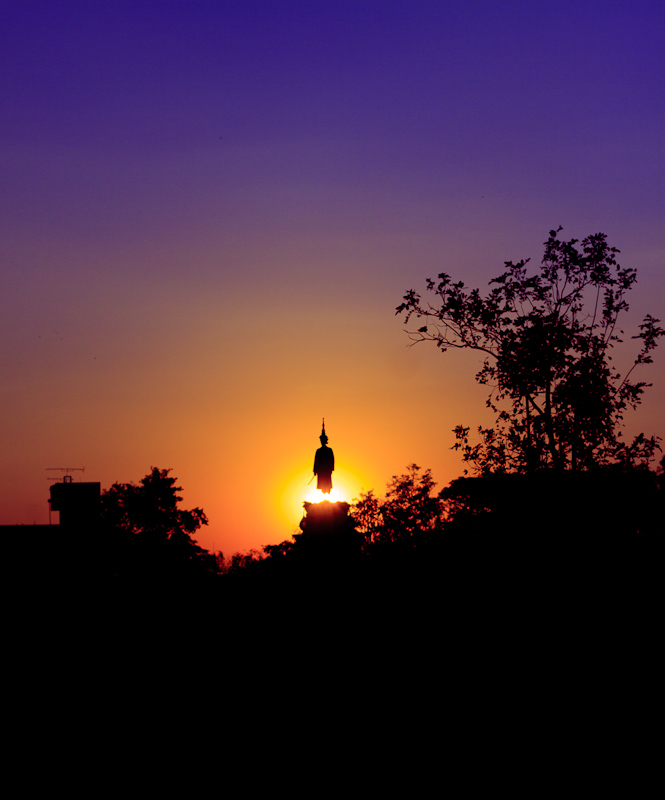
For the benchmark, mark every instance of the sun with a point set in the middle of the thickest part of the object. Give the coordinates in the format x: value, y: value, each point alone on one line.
x: 289, y: 498
x: 314, y: 495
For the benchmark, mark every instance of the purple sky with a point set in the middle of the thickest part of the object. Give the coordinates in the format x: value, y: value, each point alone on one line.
x: 209, y: 211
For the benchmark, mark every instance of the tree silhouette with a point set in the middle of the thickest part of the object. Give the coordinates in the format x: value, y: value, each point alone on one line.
x: 162, y: 534
x: 409, y: 507
x: 366, y: 512
x: 547, y: 340
x: 408, y: 510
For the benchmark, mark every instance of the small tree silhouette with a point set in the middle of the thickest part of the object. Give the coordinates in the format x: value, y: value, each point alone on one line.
x: 150, y: 513
x: 408, y: 510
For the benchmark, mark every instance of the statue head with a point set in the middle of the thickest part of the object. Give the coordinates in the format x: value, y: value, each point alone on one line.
x: 323, y: 438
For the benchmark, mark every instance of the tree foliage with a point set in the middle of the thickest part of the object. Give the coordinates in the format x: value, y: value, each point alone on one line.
x: 547, y: 342
x: 409, y: 509
x: 150, y: 512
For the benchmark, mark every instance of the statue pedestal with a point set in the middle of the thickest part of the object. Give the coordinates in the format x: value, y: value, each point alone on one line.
x: 329, y: 544
x: 325, y: 519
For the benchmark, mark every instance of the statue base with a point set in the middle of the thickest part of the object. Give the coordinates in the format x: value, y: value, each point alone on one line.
x: 325, y: 519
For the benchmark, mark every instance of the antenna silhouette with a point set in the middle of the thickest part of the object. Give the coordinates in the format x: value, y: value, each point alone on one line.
x: 66, y: 478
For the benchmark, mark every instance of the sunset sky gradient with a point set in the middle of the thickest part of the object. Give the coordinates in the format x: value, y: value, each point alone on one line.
x: 210, y: 210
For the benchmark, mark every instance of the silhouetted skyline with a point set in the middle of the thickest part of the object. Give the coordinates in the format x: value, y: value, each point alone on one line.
x: 209, y: 212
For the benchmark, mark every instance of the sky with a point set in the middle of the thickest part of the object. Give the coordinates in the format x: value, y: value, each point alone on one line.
x: 210, y: 210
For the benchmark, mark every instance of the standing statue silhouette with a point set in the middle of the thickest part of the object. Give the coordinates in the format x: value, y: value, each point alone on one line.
x: 324, y: 463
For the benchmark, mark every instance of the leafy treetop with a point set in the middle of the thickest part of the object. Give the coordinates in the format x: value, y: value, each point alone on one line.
x: 547, y: 340
x: 150, y: 512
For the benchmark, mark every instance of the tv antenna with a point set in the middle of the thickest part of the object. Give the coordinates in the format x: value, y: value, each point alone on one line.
x: 66, y: 478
